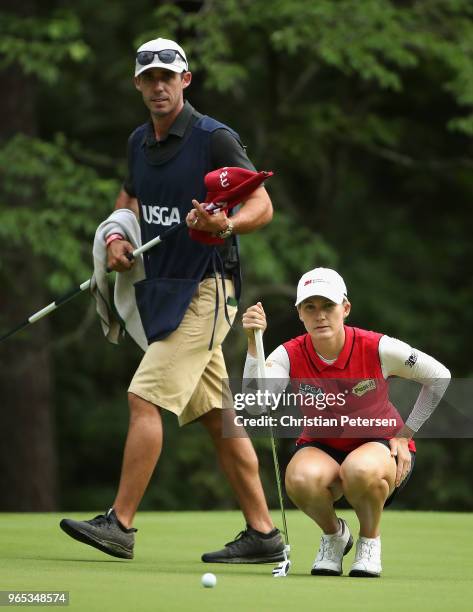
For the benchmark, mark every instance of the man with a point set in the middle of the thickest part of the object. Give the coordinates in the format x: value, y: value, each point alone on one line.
x: 191, y: 291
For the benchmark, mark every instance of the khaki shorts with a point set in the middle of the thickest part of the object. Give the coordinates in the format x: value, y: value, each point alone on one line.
x: 179, y: 373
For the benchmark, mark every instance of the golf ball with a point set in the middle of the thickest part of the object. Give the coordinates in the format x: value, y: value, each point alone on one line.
x: 209, y: 580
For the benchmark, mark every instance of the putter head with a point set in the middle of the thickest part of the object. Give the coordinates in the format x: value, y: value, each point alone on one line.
x: 282, y: 570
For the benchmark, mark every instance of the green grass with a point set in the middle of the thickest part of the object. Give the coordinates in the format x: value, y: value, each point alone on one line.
x: 427, y: 565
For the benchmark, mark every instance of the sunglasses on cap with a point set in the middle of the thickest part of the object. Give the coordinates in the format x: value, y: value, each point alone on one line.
x: 165, y: 56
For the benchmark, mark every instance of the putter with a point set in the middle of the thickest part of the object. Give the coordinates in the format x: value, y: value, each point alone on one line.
x: 86, y: 284
x: 281, y: 570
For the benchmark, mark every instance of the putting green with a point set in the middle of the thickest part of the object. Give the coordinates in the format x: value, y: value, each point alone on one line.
x: 427, y: 565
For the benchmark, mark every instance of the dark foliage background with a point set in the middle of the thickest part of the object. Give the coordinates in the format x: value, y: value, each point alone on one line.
x: 363, y: 110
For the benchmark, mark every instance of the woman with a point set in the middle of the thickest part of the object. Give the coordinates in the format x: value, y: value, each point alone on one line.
x: 368, y: 470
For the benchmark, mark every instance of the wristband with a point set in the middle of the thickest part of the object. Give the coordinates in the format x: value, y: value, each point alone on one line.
x: 113, y: 237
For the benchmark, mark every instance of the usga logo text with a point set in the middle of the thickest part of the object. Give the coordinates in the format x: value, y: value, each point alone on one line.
x: 160, y: 215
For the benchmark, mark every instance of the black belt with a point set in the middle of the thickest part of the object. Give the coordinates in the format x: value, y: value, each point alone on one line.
x: 217, y: 275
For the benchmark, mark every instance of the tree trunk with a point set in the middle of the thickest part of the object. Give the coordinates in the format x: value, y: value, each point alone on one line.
x: 28, y: 475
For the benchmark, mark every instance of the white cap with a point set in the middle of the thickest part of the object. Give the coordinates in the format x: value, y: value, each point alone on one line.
x: 324, y: 282
x: 161, y: 44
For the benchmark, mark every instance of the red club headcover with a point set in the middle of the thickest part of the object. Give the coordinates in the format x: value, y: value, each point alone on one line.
x: 227, y: 187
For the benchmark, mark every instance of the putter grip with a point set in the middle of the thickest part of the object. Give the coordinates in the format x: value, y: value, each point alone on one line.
x: 260, y: 353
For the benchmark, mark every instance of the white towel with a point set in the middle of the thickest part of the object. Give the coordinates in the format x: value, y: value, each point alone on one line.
x: 121, y: 221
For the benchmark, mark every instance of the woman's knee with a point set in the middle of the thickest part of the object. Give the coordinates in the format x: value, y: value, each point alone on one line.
x: 362, y: 475
x: 301, y: 481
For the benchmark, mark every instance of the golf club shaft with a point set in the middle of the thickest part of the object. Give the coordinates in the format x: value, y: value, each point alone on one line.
x: 262, y: 376
x: 86, y: 284
x: 278, y: 480
x: 155, y: 241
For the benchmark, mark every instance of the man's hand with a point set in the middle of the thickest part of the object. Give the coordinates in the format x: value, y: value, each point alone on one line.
x: 254, y: 318
x: 116, y: 256
x: 200, y: 219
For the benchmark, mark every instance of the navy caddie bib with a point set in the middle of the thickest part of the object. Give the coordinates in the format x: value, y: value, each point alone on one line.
x: 164, y: 192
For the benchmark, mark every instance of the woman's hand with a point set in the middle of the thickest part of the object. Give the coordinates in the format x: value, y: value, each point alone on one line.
x: 253, y: 318
x: 400, y: 449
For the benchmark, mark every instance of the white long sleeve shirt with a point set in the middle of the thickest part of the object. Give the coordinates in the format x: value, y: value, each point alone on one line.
x: 397, y: 359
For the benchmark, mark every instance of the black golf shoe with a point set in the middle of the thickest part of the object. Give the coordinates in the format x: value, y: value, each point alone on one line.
x: 104, y: 532
x: 250, y: 546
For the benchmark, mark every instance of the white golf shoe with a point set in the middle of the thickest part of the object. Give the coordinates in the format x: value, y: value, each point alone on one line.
x: 367, y: 563
x: 331, y: 552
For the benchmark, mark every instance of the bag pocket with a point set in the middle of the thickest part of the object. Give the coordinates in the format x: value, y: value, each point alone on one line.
x: 162, y: 303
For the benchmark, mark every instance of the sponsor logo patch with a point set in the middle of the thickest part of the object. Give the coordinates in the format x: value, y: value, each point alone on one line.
x: 363, y: 387
x: 311, y: 281
x: 412, y: 360
x: 306, y: 389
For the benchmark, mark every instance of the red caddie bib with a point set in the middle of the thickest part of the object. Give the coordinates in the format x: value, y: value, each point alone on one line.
x: 363, y: 410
